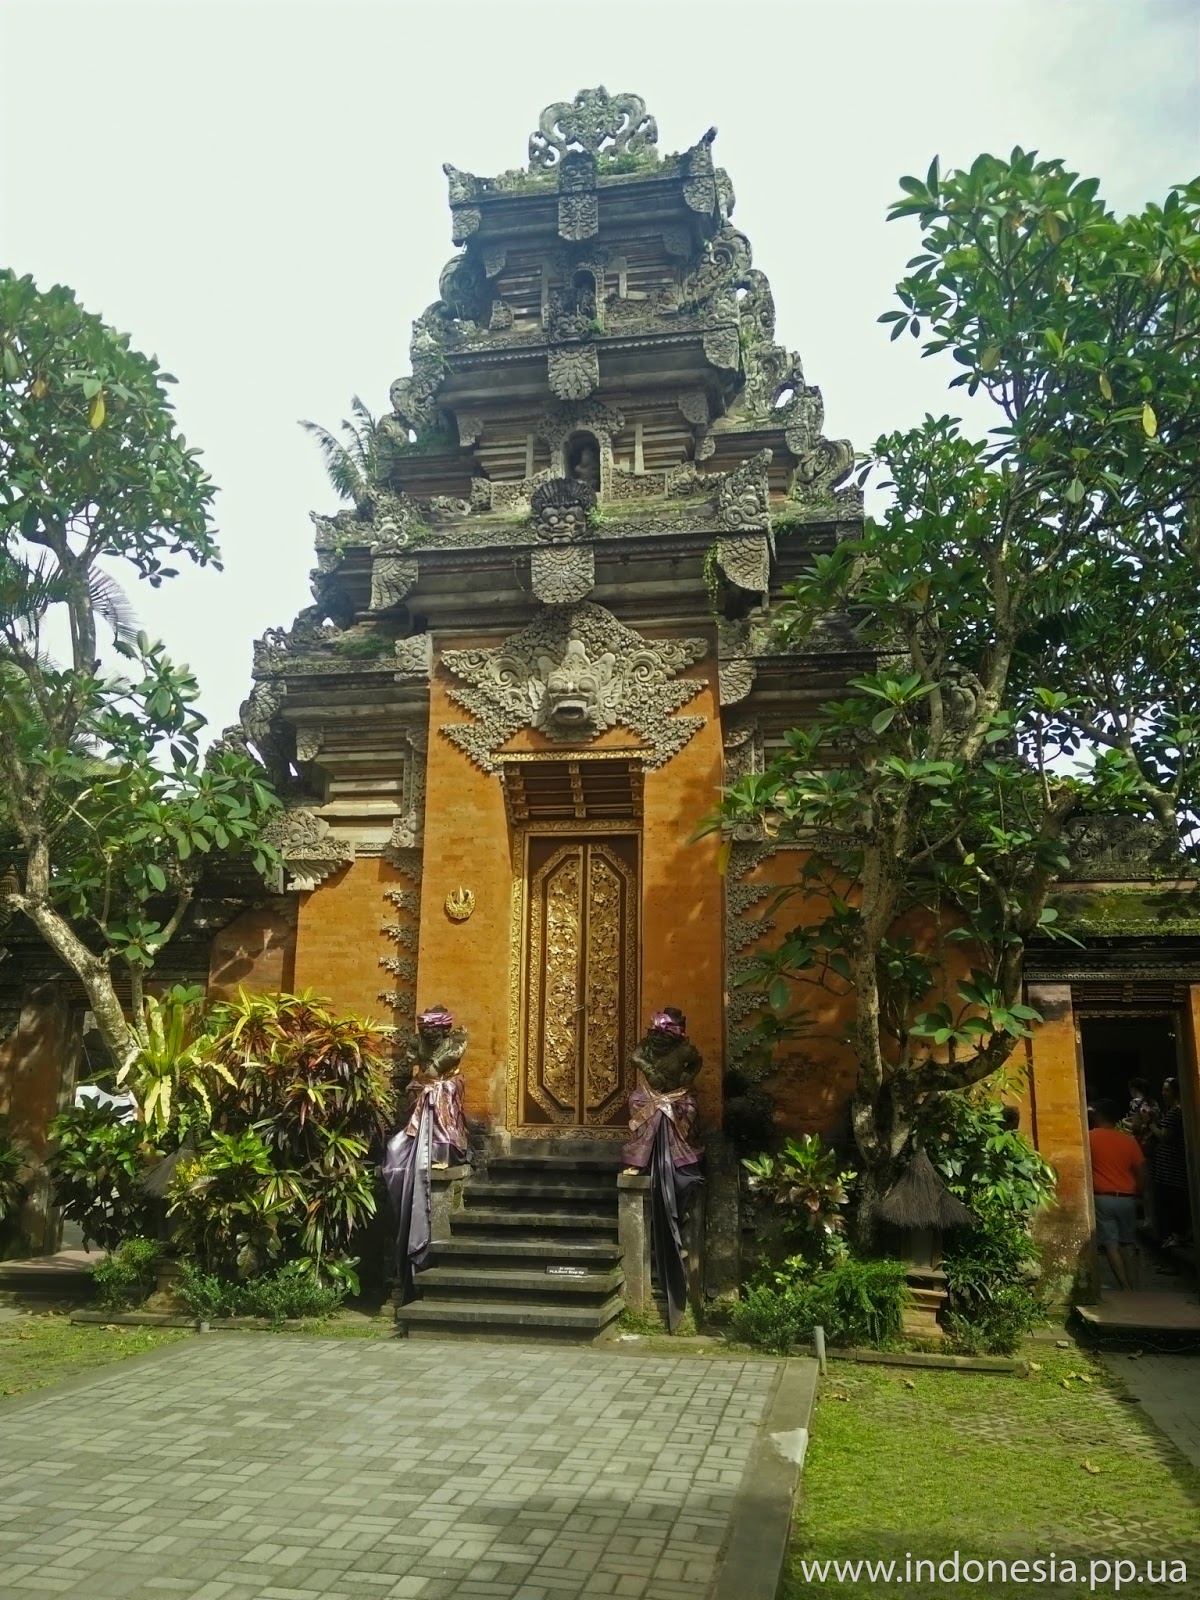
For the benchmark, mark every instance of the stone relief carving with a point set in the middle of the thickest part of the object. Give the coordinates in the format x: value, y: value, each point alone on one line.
x: 743, y: 495
x: 573, y: 371
x: 570, y: 674
x: 309, y: 849
x: 1109, y: 847
x: 746, y: 562
x: 736, y: 677
x: 392, y: 578
x: 414, y: 656
x: 699, y: 185
x: 722, y: 347
x: 594, y: 121
x: 821, y: 464
x: 562, y: 574
x: 578, y: 205
x: 560, y: 509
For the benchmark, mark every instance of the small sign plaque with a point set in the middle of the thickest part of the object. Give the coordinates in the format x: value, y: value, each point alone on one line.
x: 567, y: 1272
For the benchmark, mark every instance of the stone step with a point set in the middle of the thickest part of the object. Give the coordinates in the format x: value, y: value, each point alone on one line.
x: 565, y: 1251
x: 527, y: 1319
x: 507, y: 1284
x: 589, y: 1161
x: 489, y: 1192
x: 534, y: 1221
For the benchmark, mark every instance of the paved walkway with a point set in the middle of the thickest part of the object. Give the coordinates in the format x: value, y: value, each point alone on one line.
x: 1169, y: 1388
x: 243, y: 1467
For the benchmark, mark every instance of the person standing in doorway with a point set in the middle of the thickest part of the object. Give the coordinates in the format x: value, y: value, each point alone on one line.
x: 1118, y: 1174
x: 1171, y: 1201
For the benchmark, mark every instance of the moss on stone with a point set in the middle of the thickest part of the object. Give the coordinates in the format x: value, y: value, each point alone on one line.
x: 1124, y: 911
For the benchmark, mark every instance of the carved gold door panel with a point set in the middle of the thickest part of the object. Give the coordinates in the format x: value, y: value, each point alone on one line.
x: 579, y: 984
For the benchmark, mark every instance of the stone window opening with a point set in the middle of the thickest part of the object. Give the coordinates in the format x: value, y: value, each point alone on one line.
x: 583, y: 459
x: 583, y: 287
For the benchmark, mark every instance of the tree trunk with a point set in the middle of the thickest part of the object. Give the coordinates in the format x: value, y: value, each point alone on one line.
x: 92, y: 972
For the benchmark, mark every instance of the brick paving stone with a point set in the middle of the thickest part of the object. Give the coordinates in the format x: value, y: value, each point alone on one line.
x: 256, y: 1468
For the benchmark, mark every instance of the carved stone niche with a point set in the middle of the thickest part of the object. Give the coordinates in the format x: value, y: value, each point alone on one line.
x: 563, y: 428
x: 570, y: 674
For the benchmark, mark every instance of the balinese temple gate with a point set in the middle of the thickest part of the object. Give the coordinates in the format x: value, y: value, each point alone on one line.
x: 538, y: 646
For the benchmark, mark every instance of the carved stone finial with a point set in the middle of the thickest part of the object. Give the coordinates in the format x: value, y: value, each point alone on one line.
x: 596, y: 122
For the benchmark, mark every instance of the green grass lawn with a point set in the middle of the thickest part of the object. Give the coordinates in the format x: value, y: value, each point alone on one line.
x: 905, y: 1461
x: 43, y: 1348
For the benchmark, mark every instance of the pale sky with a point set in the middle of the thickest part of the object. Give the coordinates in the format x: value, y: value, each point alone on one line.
x: 253, y: 190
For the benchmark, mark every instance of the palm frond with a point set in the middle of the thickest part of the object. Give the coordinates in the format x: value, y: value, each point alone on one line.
x: 113, y: 606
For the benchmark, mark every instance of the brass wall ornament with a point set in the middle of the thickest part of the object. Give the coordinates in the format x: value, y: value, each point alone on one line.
x: 460, y: 903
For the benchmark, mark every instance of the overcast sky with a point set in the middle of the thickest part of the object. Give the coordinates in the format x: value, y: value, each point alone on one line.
x: 254, y: 191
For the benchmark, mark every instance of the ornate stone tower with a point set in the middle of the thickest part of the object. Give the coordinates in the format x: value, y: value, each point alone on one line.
x: 539, y: 646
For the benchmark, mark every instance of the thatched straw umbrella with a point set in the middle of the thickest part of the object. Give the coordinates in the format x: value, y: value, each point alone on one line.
x: 920, y: 1203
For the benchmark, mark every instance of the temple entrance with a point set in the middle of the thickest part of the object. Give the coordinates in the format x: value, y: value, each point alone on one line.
x: 579, y: 988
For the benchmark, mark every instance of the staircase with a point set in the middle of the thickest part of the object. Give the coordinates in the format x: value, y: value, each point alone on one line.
x: 536, y: 1208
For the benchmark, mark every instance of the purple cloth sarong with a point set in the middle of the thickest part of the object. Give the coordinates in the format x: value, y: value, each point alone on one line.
x: 436, y: 1132
x: 662, y: 1125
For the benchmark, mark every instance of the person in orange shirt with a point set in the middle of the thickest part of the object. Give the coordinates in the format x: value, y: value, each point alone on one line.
x: 1118, y: 1175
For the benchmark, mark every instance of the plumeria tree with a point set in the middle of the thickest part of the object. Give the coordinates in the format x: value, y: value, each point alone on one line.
x: 1033, y: 603
x: 108, y: 809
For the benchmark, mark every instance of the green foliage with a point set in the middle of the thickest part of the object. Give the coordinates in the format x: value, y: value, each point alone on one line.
x: 983, y: 1161
x: 302, y: 1096
x: 999, y: 1325
x: 286, y: 1293
x: 354, y: 468
x: 174, y: 1069
x: 96, y: 1165
x: 1032, y: 598
x: 363, y: 646
x: 806, y: 1182
x: 992, y: 1269
x: 856, y: 1302
x: 105, y: 798
x: 126, y: 1276
x: 226, y: 1204
x: 12, y: 1187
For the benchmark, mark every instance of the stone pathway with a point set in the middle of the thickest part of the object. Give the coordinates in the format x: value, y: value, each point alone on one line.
x: 243, y: 1467
x: 1169, y: 1388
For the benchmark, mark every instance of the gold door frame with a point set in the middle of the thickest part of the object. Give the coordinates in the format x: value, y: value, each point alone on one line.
x: 518, y: 955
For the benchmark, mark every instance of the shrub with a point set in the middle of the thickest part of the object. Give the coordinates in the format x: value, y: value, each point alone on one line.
x: 12, y: 1187
x: 96, y: 1167
x: 126, y: 1276
x: 992, y: 1268
x: 289, y: 1292
x: 856, y: 1302
x: 806, y: 1186
x: 996, y: 1326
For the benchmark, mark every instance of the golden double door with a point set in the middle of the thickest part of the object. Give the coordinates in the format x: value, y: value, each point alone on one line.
x: 579, y: 980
